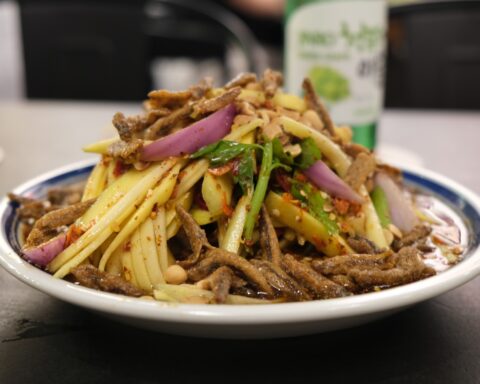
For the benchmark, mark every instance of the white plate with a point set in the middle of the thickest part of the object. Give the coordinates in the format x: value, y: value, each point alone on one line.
x: 259, y: 321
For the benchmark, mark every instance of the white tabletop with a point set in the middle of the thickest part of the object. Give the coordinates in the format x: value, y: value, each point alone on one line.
x: 39, y: 136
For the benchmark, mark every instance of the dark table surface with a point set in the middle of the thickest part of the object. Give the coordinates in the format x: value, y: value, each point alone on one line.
x: 43, y: 340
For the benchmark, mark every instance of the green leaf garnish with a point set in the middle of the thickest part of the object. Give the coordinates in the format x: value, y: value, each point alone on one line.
x: 222, y: 152
x: 315, y: 203
x: 310, y: 154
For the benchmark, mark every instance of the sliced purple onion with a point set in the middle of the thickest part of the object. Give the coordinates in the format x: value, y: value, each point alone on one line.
x: 327, y: 180
x: 46, y: 252
x: 401, y: 211
x: 190, y: 139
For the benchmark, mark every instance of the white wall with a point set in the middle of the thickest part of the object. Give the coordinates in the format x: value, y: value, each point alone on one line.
x: 11, y: 61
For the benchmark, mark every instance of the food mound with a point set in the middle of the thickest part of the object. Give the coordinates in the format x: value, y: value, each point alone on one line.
x: 242, y: 194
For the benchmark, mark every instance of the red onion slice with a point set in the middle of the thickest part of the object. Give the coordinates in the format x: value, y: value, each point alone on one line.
x: 46, y: 252
x: 327, y: 180
x: 192, y: 138
x: 401, y: 211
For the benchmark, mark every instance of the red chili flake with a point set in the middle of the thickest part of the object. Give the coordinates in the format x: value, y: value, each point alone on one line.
x: 301, y: 177
x: 355, y: 209
x: 287, y: 197
x: 73, y: 234
x: 222, y: 170
x: 282, y: 179
x: 181, y: 175
x: 341, y: 205
x: 120, y: 168
x: 269, y: 104
x: 127, y: 246
x: 106, y: 160
x: 319, y: 244
x: 249, y: 243
x: 227, y: 210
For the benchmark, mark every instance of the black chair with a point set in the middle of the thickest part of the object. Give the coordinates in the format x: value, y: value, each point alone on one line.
x: 102, y: 50
x: 84, y: 50
x: 199, y: 30
x: 434, y: 55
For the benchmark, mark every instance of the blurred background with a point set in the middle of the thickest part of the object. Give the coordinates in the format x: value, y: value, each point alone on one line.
x: 120, y: 49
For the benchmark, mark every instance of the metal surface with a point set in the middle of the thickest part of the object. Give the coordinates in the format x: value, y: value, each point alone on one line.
x: 43, y: 340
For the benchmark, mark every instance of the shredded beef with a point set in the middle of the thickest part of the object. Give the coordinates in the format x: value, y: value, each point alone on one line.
x: 409, y: 268
x: 195, y: 235
x: 319, y: 286
x: 128, y: 127
x: 362, y: 167
x: 129, y: 151
x: 241, y: 80
x: 365, y: 272
x: 31, y: 209
x: 206, y: 106
x: 341, y: 265
x: 153, y: 114
x: 345, y: 282
x: 164, y: 124
x: 200, y: 90
x: 417, y: 234
x: 163, y: 98
x: 268, y: 239
x: 67, y: 195
x: 281, y: 282
x: 362, y: 245
x: 215, y: 258
x: 220, y: 282
x: 91, y: 277
x: 48, y: 224
x: 313, y: 102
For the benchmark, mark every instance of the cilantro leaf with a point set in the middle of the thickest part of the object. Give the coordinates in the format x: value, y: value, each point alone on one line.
x: 245, y: 171
x: 310, y: 153
x: 281, y: 159
x: 222, y: 152
x: 314, y: 201
x: 279, y: 154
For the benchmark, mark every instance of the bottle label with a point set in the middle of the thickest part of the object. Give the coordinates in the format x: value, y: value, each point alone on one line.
x: 340, y: 46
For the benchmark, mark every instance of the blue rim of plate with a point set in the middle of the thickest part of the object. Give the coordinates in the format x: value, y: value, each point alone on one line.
x: 464, y: 202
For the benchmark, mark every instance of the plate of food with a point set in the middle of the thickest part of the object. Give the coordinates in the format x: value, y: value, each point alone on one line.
x: 239, y: 211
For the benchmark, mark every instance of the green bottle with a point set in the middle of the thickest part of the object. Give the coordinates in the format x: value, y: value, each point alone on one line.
x: 340, y: 45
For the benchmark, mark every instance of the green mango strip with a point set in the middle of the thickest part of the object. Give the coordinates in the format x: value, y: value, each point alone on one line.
x: 380, y: 203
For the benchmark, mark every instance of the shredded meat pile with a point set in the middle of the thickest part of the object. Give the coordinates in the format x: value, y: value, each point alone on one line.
x: 91, y: 277
x: 49, y: 225
x: 362, y: 273
x: 270, y: 274
x: 40, y: 214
